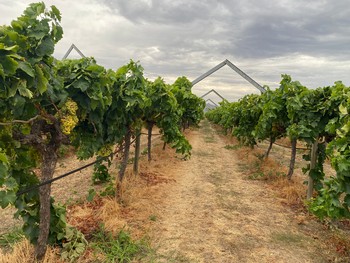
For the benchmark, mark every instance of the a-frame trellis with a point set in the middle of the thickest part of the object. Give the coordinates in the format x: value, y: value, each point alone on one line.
x: 213, y: 90
x: 70, y: 50
x: 212, y: 102
x: 235, y: 68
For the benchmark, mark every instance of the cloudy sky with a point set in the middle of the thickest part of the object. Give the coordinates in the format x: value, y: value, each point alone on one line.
x: 310, y: 40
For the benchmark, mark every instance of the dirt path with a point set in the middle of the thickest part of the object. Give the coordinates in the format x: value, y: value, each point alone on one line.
x: 214, y: 214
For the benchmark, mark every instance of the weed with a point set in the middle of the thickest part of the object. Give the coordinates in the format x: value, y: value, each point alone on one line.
x: 288, y: 238
x: 120, y: 248
x: 8, y: 240
x: 268, y: 175
x: 256, y: 176
x: 144, y: 151
x: 260, y: 156
x: 153, y: 217
x: 232, y: 147
x: 204, y: 154
x: 91, y: 195
x: 109, y: 190
x: 74, y: 245
x: 70, y: 201
x: 101, y: 173
x: 209, y: 139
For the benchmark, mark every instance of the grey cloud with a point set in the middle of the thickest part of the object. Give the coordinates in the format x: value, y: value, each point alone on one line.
x: 306, y: 39
x: 312, y: 29
x: 160, y: 11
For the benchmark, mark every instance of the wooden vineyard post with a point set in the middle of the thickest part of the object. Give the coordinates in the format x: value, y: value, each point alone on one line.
x: 310, y: 185
x: 292, y: 159
x: 137, y: 151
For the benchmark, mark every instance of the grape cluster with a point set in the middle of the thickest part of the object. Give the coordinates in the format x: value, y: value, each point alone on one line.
x: 105, y: 150
x: 69, y: 118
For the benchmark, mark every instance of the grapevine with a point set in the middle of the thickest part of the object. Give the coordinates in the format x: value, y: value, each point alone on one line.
x: 46, y: 103
x: 318, y: 116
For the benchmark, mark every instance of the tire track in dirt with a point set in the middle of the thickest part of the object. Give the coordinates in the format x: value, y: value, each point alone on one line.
x: 214, y: 214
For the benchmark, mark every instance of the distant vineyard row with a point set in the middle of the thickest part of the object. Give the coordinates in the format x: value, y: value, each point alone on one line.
x: 319, y: 117
x: 46, y: 103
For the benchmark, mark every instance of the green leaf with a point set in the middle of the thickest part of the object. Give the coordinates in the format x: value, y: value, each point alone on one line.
x: 9, y: 64
x: 347, y: 200
x: 27, y: 68
x: 23, y: 90
x: 46, y: 47
x: 343, y: 110
x: 95, y: 68
x: 7, y: 198
x: 42, y: 80
x: 58, y: 32
x: 3, y: 173
x: 82, y: 84
x: 56, y: 12
x: 17, y: 25
x: 34, y: 10
x: 37, y: 34
x: 91, y: 195
x: 63, y: 218
x: 2, y: 72
x: 60, y: 235
x: 3, y: 158
x: 11, y: 184
x: 11, y: 48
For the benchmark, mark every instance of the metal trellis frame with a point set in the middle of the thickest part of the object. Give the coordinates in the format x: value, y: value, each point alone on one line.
x: 217, y: 93
x: 212, y: 102
x: 235, y: 68
x: 70, y: 50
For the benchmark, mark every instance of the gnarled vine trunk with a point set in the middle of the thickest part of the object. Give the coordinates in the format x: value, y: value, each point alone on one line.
x: 270, y: 147
x: 49, y: 161
x: 48, y: 151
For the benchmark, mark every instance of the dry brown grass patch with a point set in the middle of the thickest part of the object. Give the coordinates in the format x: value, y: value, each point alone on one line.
x: 272, y: 170
x: 85, y: 217
x: 110, y: 215
x: 23, y: 252
x: 89, y: 217
x: 259, y: 168
x: 245, y: 153
x: 293, y: 192
x: 133, y: 188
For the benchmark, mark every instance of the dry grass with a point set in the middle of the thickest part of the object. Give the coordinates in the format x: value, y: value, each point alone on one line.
x: 89, y: 217
x: 140, y: 198
x: 293, y: 192
x: 23, y: 252
x: 109, y: 214
x: 270, y: 171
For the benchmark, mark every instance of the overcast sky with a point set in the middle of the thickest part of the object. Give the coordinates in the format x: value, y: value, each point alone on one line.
x: 310, y: 40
